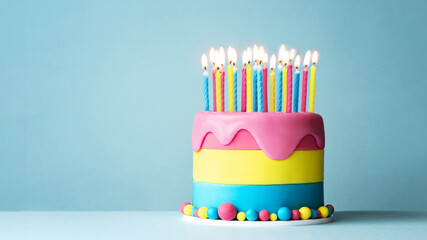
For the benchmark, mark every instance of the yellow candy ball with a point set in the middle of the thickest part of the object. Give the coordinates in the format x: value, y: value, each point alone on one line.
x: 203, y: 212
x: 305, y: 213
x: 273, y: 217
x: 187, y: 209
x: 241, y: 216
x: 324, y: 211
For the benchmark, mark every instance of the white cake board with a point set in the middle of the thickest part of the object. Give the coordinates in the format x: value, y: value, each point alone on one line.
x: 256, y: 223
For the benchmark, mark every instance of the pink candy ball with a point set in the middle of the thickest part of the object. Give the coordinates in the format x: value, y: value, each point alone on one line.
x: 264, y: 215
x: 319, y: 215
x: 196, y: 212
x: 181, y: 208
x: 295, y: 215
x: 227, y: 211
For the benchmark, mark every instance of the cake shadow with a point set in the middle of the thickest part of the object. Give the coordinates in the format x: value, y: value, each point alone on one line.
x: 378, y: 216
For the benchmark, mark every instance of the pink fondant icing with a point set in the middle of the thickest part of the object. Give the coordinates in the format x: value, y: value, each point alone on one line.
x: 277, y: 134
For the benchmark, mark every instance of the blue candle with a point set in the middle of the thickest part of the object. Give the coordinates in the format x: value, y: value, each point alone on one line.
x: 206, y: 89
x: 279, y: 88
x: 259, y: 80
x: 296, y: 91
x: 254, y: 88
x: 296, y: 85
x: 235, y: 88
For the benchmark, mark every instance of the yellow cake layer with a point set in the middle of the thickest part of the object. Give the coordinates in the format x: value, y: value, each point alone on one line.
x: 253, y: 167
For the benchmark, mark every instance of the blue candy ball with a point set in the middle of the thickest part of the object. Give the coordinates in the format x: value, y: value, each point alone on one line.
x: 313, y: 214
x: 212, y: 213
x: 284, y: 213
x: 192, y: 212
x: 251, y: 215
x: 330, y: 211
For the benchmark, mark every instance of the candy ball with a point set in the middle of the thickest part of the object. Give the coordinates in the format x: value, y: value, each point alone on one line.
x: 295, y: 215
x: 330, y: 211
x: 284, y: 214
x: 196, y: 213
x: 227, y: 211
x: 324, y: 211
x: 319, y: 214
x: 332, y: 208
x: 264, y: 215
x: 181, y: 208
x: 251, y: 215
x: 241, y: 216
x: 273, y: 217
x: 193, y: 212
x: 187, y: 209
x: 313, y: 214
x: 305, y: 213
x: 212, y: 213
x: 203, y: 212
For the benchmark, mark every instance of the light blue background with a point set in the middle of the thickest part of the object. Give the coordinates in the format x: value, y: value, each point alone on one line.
x: 97, y: 99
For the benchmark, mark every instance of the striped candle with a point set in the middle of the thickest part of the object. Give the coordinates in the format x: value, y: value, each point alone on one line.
x: 259, y: 81
x: 255, y: 87
x: 279, y: 88
x: 264, y: 88
x: 289, y: 89
x: 244, y: 88
x: 235, y: 87
x: 206, y: 89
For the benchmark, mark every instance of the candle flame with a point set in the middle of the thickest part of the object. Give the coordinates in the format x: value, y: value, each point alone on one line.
x: 217, y: 59
x: 307, y: 58
x: 315, y: 57
x: 265, y: 58
x: 230, y: 54
x: 221, y: 56
x: 282, y: 53
x: 249, y: 54
x: 292, y: 54
x: 261, y: 53
x: 272, y: 61
x: 256, y: 53
x: 286, y: 57
x: 234, y: 56
x: 244, y: 58
x: 297, y: 61
x: 212, y: 55
x: 204, y: 61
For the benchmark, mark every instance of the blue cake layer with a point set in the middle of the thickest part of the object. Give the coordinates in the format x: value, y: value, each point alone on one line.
x: 258, y: 197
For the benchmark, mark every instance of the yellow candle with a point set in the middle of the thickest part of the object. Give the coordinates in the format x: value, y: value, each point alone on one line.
x: 312, y: 87
x: 230, y: 89
x: 272, y: 92
x: 249, y: 88
x: 218, y: 91
x: 284, y: 86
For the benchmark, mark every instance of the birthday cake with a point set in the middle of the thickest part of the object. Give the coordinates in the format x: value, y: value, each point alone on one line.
x: 257, y: 164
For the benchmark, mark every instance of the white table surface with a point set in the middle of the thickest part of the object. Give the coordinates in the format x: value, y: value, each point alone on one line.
x: 170, y: 225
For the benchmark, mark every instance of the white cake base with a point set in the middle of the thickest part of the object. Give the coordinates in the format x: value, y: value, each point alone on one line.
x: 256, y: 223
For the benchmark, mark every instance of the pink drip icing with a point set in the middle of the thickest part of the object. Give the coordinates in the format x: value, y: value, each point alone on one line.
x: 277, y: 134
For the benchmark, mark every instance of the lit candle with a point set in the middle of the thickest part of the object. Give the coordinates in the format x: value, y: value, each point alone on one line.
x: 249, y: 81
x: 289, y: 81
x: 222, y: 60
x: 205, y: 82
x: 296, y: 85
x: 279, y: 79
x: 259, y: 80
x: 272, y: 83
x: 265, y: 83
x: 314, y: 60
x: 235, y: 78
x: 230, y: 73
x: 218, y: 90
x: 255, y: 80
x: 212, y: 58
x: 285, y: 81
x: 244, y: 82
x: 304, y: 81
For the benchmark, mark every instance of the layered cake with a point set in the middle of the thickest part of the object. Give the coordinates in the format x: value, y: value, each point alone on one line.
x: 258, y: 165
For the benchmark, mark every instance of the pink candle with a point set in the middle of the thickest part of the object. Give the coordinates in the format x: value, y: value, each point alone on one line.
x: 304, y: 89
x: 222, y: 89
x: 264, y: 89
x: 214, y: 87
x: 289, y: 86
x: 244, y: 89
